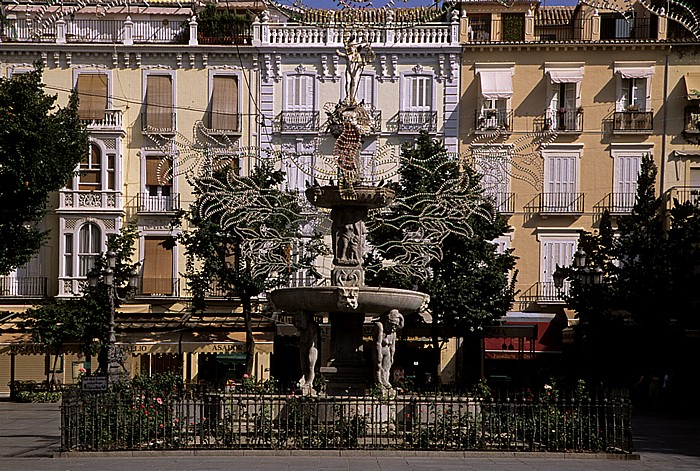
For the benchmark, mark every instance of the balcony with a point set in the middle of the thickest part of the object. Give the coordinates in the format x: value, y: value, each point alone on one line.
x: 90, y: 200
x: 299, y: 121
x: 633, y: 122
x: 504, y: 203
x: 490, y: 120
x: 158, y: 122
x: 416, y: 121
x: 158, y: 204
x: 23, y: 287
x: 544, y: 292
x: 558, y: 203
x: 158, y: 287
x: 94, y: 31
x: 692, y: 121
x: 112, y: 121
x: 565, y: 120
x: 616, y: 204
x: 690, y: 194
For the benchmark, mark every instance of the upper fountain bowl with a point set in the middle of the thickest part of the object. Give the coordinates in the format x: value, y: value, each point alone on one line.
x: 370, y: 197
x: 347, y: 299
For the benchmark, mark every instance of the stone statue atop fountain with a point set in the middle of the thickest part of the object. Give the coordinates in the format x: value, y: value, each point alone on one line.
x: 355, y: 59
x: 385, y: 331
x: 308, y: 350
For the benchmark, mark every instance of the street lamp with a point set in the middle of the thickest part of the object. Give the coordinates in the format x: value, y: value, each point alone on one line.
x: 586, y: 275
x: 115, y: 357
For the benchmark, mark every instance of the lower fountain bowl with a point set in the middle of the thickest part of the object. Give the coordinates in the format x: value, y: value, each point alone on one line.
x: 366, y: 299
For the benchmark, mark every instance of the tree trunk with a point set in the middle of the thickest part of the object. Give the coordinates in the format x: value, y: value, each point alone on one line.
x: 436, y: 351
x: 249, y: 341
x: 53, y: 371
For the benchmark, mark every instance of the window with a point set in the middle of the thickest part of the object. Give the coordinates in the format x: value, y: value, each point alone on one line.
x: 634, y: 85
x: 627, y: 161
x: 159, y: 102
x: 299, y: 113
x: 68, y: 255
x: 493, y: 164
x: 496, y: 89
x: 365, y: 90
x: 563, y: 112
x: 89, y: 247
x: 224, y: 103
x: 93, y: 95
x: 479, y: 28
x: 158, y: 196
x: 420, y: 93
x: 299, y: 170
x: 554, y: 251
x: 158, y: 266
x: 513, y: 26
x: 561, y: 180
x: 91, y: 169
x: 299, y: 93
x: 615, y: 26
x: 416, y: 112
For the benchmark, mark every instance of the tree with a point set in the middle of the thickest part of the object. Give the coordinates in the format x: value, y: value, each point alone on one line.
x: 244, y: 248
x: 83, y: 319
x: 467, y: 280
x: 40, y: 148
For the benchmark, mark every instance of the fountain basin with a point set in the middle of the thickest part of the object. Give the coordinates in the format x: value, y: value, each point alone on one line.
x: 369, y: 299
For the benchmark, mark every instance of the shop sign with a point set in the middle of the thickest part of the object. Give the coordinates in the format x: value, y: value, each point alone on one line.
x: 94, y: 384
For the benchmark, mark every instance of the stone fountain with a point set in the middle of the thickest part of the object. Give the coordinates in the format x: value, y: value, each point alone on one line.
x: 348, y: 301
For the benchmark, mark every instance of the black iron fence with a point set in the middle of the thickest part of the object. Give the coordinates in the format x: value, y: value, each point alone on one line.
x: 112, y: 421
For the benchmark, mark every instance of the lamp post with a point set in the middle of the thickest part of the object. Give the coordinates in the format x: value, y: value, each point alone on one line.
x: 586, y: 275
x: 115, y: 357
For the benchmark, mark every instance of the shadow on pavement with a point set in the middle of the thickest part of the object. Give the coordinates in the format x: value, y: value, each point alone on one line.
x: 667, y: 434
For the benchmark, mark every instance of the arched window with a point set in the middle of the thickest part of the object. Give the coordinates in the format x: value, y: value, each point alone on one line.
x: 89, y: 247
x: 91, y: 169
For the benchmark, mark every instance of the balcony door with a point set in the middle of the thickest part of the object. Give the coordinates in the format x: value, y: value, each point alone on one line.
x: 159, y: 102
x: 92, y: 94
x: 560, y: 183
x: 224, y: 103
x: 563, y: 106
x: 158, y: 196
x: 627, y: 169
x: 300, y: 93
x: 157, y: 266
x: 420, y: 93
x: 633, y: 93
x: 554, y: 251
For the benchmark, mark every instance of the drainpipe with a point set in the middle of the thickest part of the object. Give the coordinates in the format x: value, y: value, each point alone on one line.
x: 662, y: 186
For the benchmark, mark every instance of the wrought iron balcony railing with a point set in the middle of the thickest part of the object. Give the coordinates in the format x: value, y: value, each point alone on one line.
x: 158, y: 204
x: 616, y: 203
x: 504, y: 203
x: 556, y: 203
x: 492, y: 120
x: 692, y: 120
x: 565, y: 120
x: 299, y: 121
x: 633, y: 121
x: 690, y: 194
x: 26, y: 286
x: 415, y: 121
x: 544, y: 292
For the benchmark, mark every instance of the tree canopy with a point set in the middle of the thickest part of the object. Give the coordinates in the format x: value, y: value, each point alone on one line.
x: 41, y: 145
x: 469, y: 282
x: 241, y: 250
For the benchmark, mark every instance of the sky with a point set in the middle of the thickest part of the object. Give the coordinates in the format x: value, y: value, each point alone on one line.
x: 396, y: 3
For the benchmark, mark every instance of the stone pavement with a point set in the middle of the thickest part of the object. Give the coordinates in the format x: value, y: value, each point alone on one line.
x: 29, y: 437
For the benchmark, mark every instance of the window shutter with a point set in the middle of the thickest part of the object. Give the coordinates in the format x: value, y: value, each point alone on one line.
x: 556, y: 252
x: 224, y: 103
x: 159, y: 101
x: 92, y: 94
x: 639, y: 92
x: 157, y: 267
x: 627, y: 174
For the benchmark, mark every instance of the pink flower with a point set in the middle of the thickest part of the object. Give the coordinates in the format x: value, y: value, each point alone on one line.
x: 159, y: 400
x: 177, y: 421
x: 245, y: 376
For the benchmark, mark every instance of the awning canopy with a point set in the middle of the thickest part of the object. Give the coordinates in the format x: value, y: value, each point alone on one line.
x: 565, y: 75
x: 23, y: 344
x: 692, y: 86
x: 496, y: 83
x: 635, y: 72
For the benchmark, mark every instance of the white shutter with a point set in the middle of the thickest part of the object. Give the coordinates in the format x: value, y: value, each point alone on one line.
x: 555, y: 252
x: 300, y: 93
x: 420, y: 93
x: 624, y: 100
x: 494, y: 180
x: 694, y: 179
x: 365, y: 90
x: 627, y: 170
x: 569, y: 98
x: 554, y: 102
x: 561, y: 183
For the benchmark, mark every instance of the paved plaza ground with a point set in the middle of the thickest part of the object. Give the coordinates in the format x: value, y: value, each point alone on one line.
x: 29, y: 438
